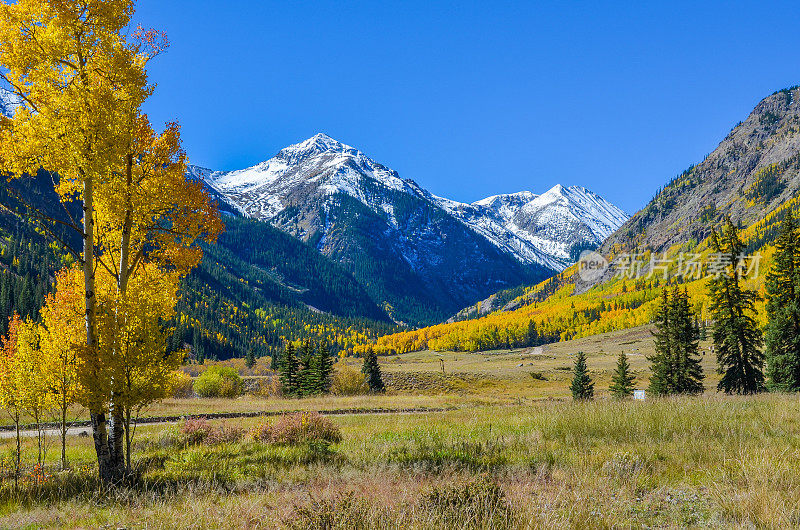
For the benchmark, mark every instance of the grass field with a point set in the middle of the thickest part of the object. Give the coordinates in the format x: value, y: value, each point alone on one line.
x: 513, y: 453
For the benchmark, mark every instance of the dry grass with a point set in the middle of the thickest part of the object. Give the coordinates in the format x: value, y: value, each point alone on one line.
x: 416, y: 380
x: 711, y: 461
x: 512, y: 445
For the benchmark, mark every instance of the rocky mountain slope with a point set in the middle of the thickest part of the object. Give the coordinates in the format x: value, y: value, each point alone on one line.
x: 423, y: 257
x: 755, y: 169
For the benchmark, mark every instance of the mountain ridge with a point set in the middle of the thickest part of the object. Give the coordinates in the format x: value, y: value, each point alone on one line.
x: 266, y: 189
x: 421, y: 257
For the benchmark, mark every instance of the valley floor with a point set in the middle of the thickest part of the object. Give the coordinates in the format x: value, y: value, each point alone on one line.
x: 513, y: 452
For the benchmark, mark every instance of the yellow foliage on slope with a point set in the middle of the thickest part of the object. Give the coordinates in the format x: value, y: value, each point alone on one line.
x: 618, y: 304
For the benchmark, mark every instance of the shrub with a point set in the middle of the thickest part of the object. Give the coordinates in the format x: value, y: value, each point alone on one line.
x: 479, y: 503
x: 182, y: 385
x: 261, y: 432
x: 343, y: 512
x: 348, y: 382
x: 225, y: 434
x: 297, y: 428
x: 195, y: 431
x: 265, y: 387
x: 219, y: 381
x: 199, y: 431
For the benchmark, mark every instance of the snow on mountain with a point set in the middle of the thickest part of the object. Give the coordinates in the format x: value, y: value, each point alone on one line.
x: 8, y: 102
x: 545, y: 229
x: 535, y: 229
x: 548, y: 229
x: 319, y: 164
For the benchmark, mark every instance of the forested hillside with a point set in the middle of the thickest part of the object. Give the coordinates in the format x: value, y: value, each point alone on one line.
x: 255, y: 289
x: 258, y: 287
x: 28, y: 256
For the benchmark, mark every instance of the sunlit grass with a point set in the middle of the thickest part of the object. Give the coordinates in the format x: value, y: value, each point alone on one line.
x: 712, y: 461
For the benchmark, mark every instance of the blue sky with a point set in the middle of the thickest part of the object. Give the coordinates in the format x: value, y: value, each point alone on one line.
x: 472, y: 99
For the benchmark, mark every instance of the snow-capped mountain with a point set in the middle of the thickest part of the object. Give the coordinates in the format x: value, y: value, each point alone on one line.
x: 542, y: 229
x: 8, y: 102
x: 421, y: 256
x: 549, y: 229
x: 320, y: 164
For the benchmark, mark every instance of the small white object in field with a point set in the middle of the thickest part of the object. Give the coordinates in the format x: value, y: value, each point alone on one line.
x: 639, y: 395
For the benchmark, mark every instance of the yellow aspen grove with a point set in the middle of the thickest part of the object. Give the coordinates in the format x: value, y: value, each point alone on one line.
x: 34, y: 380
x: 134, y: 343
x: 61, y: 337
x: 82, y: 81
x: 10, y: 400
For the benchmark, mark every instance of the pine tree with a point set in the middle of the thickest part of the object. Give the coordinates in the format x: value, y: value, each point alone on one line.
x: 308, y: 371
x: 372, y: 372
x: 324, y: 368
x: 737, y: 338
x: 676, y: 364
x: 250, y: 359
x: 622, y: 380
x: 288, y: 370
x: 689, y: 376
x: 662, y: 362
x: 582, y: 385
x: 782, y: 332
x: 275, y: 360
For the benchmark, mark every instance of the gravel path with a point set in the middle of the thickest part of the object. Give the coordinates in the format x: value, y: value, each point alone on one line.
x: 84, y: 428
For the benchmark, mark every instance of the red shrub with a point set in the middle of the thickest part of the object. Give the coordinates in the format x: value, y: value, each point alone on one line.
x: 297, y: 428
x: 195, y: 431
x: 199, y: 431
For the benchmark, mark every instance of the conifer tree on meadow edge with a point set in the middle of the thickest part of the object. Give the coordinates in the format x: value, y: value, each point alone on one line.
x: 372, y: 372
x: 289, y: 366
x: 676, y: 365
x: 307, y: 374
x: 250, y: 359
x: 307, y: 371
x: 737, y: 337
x: 622, y: 380
x: 324, y: 369
x: 782, y: 333
x: 582, y: 385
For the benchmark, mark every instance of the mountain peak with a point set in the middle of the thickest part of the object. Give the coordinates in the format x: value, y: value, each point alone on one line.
x: 318, y: 144
x: 531, y: 228
x: 325, y: 142
x: 558, y: 189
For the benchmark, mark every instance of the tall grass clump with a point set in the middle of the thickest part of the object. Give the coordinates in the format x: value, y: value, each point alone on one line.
x: 199, y: 431
x: 298, y: 428
x: 477, y: 504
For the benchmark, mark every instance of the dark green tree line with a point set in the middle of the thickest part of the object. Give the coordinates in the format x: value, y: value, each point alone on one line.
x: 782, y: 334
